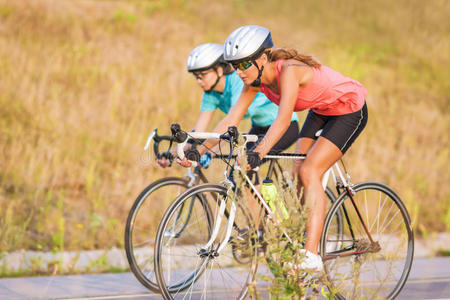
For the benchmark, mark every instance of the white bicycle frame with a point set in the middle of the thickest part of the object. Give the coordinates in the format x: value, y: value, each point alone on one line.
x: 333, y: 170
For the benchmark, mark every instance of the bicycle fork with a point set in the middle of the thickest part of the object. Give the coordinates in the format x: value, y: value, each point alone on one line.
x: 232, y: 214
x: 220, y: 213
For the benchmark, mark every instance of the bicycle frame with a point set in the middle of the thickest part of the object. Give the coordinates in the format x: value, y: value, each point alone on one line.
x: 334, y: 171
x: 206, y: 135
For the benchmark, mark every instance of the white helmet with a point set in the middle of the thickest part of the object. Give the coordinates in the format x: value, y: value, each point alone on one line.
x: 247, y: 42
x: 204, y: 57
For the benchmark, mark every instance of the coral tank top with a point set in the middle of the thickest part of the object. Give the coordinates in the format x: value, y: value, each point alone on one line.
x: 328, y: 93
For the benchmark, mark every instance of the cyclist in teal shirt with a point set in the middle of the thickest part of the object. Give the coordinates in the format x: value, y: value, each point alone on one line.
x: 262, y: 111
x: 222, y: 88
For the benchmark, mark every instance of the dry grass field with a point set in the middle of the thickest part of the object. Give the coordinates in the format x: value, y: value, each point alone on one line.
x: 83, y: 82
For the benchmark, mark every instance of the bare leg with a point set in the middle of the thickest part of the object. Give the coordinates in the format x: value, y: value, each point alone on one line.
x: 322, y: 155
x: 303, y: 146
x: 254, y: 206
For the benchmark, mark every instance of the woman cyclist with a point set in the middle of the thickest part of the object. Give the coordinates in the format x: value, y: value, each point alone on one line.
x: 297, y: 82
x: 222, y: 88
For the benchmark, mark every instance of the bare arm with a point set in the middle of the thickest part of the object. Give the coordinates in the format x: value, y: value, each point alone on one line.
x: 291, y: 78
x: 233, y: 117
x: 203, y: 121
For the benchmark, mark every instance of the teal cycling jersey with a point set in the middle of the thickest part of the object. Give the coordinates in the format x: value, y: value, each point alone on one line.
x: 262, y: 111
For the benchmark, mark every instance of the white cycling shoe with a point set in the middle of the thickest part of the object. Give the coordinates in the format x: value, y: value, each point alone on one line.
x: 311, y: 263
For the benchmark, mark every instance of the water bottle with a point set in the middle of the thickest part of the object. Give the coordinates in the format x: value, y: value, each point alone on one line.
x: 270, y: 195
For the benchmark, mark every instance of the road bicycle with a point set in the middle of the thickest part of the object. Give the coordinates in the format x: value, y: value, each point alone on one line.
x: 151, y: 203
x: 367, y: 254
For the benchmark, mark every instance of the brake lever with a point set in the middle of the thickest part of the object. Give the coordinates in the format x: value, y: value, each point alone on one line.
x: 149, y: 139
x: 179, y: 135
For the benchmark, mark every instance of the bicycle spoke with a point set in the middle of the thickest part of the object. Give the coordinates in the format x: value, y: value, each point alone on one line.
x: 196, y: 223
x: 383, y: 227
x: 150, y: 274
x: 148, y: 262
x: 179, y: 255
x: 374, y: 269
x: 192, y: 282
x: 206, y: 278
x: 387, y: 214
x: 143, y: 243
x: 367, y: 211
x: 201, y: 264
x: 379, y: 209
x: 201, y: 278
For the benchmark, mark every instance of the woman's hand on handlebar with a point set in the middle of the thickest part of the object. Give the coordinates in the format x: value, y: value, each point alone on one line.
x: 253, y: 160
x: 163, y: 162
x: 192, y: 156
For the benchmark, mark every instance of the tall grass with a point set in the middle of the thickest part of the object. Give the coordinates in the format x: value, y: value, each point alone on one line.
x: 83, y: 82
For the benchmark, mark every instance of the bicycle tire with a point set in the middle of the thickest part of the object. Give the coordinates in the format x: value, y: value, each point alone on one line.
x: 360, y: 267
x: 174, y: 258
x: 145, y: 273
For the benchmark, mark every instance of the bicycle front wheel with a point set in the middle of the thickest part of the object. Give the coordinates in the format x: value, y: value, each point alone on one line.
x: 142, y: 224
x: 371, y: 257
x: 191, y: 264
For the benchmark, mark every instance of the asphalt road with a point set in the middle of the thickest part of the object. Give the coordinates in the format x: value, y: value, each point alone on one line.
x: 429, y: 279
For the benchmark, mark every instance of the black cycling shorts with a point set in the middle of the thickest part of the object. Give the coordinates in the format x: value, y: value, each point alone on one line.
x: 289, y: 137
x: 340, y: 130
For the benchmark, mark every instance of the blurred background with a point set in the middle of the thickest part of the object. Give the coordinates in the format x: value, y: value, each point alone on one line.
x: 82, y: 84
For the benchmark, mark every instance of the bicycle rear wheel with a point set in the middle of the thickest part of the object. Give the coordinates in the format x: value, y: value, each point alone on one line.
x: 372, y: 256
x: 142, y: 225
x: 186, y: 266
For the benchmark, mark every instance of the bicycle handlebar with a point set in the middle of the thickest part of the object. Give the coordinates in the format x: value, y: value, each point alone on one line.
x: 231, y: 136
x: 181, y: 138
x: 156, y: 140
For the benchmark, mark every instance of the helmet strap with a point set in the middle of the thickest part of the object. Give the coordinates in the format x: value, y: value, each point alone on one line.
x: 257, y: 82
x: 215, y: 83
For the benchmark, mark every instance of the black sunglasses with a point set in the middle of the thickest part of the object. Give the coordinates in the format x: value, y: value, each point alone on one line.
x: 244, y: 65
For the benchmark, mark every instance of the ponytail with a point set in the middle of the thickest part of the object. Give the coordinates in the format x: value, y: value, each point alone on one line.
x: 274, y: 54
